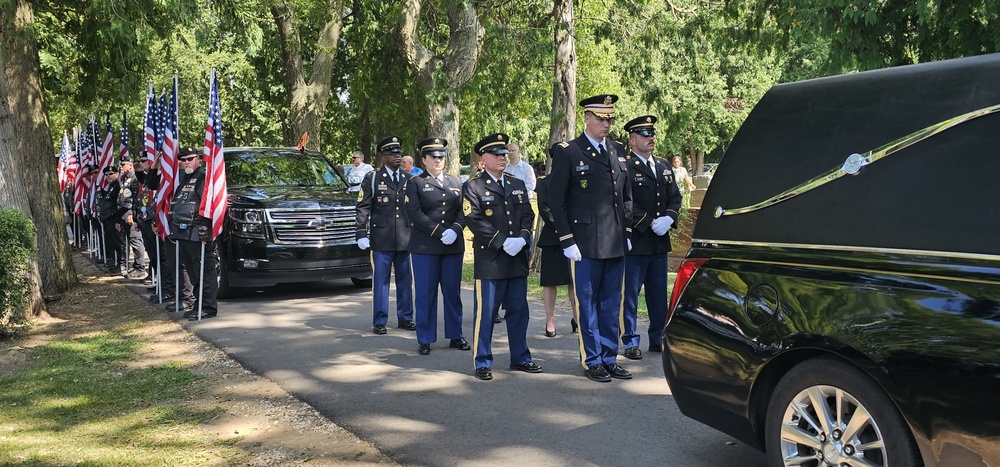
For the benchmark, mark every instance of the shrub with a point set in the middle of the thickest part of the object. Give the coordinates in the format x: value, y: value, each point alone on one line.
x: 17, y: 245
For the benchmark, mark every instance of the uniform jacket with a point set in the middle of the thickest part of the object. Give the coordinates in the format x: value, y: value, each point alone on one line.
x: 653, y: 195
x: 431, y: 209
x: 144, y: 208
x: 590, y: 197
x: 379, y: 213
x: 184, y: 217
x: 126, y: 199
x: 495, y: 214
x: 109, y: 204
x: 548, y: 236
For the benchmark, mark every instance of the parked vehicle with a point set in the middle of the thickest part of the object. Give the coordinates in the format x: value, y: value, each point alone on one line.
x: 840, y: 304
x: 290, y: 219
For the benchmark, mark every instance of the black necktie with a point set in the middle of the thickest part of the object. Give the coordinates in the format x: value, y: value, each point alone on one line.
x: 395, y: 177
x: 604, y: 152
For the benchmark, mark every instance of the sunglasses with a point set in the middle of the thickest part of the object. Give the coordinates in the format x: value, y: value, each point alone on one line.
x: 188, y: 158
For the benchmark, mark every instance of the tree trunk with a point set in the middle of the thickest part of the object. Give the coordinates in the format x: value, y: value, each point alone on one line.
x: 32, y: 154
x: 563, y: 125
x: 442, y: 76
x: 307, y: 100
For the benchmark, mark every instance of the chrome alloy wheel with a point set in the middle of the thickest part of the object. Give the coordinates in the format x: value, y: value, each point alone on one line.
x: 827, y: 426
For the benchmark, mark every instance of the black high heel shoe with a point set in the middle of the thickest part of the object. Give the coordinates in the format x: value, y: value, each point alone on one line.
x: 550, y: 333
x: 572, y: 322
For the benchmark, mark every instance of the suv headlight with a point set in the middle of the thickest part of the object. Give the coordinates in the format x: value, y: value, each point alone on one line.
x: 248, y: 223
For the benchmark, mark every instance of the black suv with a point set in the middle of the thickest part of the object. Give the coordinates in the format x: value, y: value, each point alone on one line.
x: 290, y: 219
x: 840, y: 304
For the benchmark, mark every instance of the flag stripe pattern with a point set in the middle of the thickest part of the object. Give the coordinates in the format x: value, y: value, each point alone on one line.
x: 215, y: 198
x: 149, y: 125
x: 168, y: 167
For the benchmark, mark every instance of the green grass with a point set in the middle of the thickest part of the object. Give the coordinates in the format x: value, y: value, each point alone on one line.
x: 79, y: 404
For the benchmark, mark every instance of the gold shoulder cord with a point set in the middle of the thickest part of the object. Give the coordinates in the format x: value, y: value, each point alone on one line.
x: 855, y: 162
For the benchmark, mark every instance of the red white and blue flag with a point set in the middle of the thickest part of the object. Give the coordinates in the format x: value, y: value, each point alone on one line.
x: 83, y: 158
x: 149, y: 124
x: 215, y: 198
x: 67, y: 162
x: 168, y: 165
x: 123, y: 147
x: 105, y: 160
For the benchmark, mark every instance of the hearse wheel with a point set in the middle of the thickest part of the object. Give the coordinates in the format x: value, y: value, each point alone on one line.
x: 361, y: 282
x: 825, y: 412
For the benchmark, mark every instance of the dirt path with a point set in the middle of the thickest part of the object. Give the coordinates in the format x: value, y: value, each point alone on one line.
x: 272, y: 427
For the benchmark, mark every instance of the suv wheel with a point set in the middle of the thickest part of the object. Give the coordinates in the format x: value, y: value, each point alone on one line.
x: 361, y: 282
x: 826, y: 412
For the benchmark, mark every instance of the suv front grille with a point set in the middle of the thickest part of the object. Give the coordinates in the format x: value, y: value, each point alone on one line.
x: 327, y: 225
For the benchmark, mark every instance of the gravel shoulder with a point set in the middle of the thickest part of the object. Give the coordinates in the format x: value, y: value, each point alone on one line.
x: 256, y: 414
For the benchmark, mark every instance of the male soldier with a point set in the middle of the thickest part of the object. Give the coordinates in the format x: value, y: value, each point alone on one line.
x: 590, y: 198
x: 498, y: 213
x: 655, y: 204
x: 191, y: 230
x: 114, y: 244
x: 382, y: 225
x: 130, y: 229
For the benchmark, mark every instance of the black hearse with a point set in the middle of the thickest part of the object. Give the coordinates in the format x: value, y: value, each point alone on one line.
x: 840, y: 304
x: 290, y: 219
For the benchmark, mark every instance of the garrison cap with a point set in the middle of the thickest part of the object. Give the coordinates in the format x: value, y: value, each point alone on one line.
x: 642, y: 126
x: 189, y: 151
x: 493, y: 144
x: 433, y: 146
x: 391, y: 144
x: 602, y: 105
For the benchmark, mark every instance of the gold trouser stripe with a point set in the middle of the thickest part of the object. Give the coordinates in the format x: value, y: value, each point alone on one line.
x: 576, y: 314
x: 479, y: 320
x: 621, y: 308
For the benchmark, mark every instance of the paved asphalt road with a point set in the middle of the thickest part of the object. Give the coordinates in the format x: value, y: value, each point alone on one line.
x: 315, y: 340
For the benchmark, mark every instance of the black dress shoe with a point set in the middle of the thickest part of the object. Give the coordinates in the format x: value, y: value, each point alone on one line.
x: 409, y: 325
x: 379, y: 329
x: 194, y: 317
x: 633, y: 353
x: 616, y: 371
x: 572, y: 323
x: 598, y: 373
x: 655, y: 348
x: 484, y: 373
x: 550, y: 333
x: 424, y: 349
x: 497, y: 319
x: 530, y: 367
x: 459, y: 344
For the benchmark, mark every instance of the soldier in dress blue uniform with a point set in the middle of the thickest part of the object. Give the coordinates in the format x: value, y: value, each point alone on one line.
x: 434, y: 208
x: 498, y: 213
x: 590, y: 197
x: 382, y: 226
x: 656, y: 202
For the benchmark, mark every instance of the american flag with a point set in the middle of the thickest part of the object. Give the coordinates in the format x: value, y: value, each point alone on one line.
x: 161, y: 122
x: 168, y: 166
x: 80, y: 187
x: 65, y: 156
x: 106, y: 159
x: 215, y: 198
x: 149, y: 124
x: 123, y: 148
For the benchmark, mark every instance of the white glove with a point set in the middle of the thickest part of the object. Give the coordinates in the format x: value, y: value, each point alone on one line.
x: 573, y: 253
x: 364, y: 243
x: 448, y: 237
x: 513, y: 245
x: 660, y: 225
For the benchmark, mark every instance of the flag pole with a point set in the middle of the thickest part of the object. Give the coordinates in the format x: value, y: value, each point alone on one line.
x: 201, y: 282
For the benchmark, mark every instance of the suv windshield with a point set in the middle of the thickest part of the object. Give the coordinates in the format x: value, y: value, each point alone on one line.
x: 280, y: 167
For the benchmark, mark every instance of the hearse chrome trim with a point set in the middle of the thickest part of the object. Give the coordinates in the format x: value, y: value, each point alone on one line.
x: 853, y: 164
x: 851, y: 249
